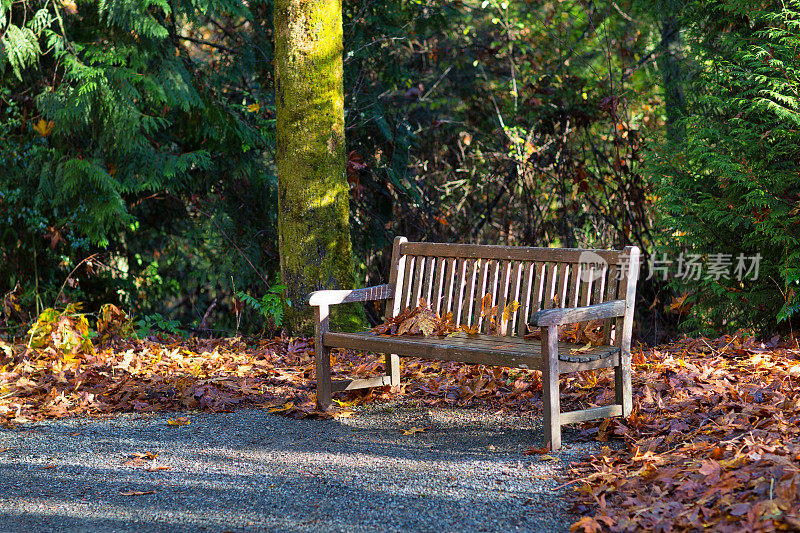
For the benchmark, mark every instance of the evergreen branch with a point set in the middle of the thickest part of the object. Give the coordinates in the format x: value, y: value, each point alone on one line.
x: 206, y: 43
x: 228, y: 237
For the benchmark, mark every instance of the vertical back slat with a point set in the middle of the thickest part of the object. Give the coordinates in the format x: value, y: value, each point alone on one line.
x: 586, y: 285
x: 483, y: 285
x: 460, y: 290
x: 471, y: 289
x: 408, y: 281
x: 439, y: 286
x: 493, y: 288
x: 515, y: 294
x: 550, y: 285
x: 599, y: 286
x: 396, y: 273
x: 574, y: 292
x: 527, y: 283
x: 561, y: 295
x: 503, y: 281
x: 449, y: 284
x: 416, y: 285
x: 538, y: 284
x: 622, y: 289
x: 427, y: 280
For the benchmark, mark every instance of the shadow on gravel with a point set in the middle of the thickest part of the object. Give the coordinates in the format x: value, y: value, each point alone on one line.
x: 249, y: 471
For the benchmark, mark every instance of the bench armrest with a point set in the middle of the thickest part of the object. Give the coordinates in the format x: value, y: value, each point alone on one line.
x: 556, y: 317
x: 332, y: 297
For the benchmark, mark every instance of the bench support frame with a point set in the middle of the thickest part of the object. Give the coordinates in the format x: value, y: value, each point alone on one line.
x: 547, y: 320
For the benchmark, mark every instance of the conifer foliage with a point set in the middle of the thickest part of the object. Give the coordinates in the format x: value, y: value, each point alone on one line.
x: 120, y: 123
x: 730, y: 185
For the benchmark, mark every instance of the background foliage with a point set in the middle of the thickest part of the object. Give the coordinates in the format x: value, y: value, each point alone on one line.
x: 729, y: 179
x: 137, y: 142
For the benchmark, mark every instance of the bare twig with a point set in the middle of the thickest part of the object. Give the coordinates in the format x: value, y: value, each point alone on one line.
x: 70, y: 275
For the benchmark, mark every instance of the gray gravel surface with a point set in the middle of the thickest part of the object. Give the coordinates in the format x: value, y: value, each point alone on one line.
x: 252, y: 471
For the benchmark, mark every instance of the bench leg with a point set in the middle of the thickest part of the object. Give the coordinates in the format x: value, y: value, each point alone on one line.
x: 551, y: 403
x: 393, y: 368
x: 322, y: 356
x: 622, y: 383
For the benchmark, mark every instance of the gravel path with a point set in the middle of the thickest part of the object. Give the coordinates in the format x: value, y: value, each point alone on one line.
x: 252, y: 471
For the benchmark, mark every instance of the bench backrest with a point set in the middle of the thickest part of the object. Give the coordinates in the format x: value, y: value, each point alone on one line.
x: 456, y: 277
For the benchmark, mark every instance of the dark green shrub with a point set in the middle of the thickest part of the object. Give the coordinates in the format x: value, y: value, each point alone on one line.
x: 729, y: 179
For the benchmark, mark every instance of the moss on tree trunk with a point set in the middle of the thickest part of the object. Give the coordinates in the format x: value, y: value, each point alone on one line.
x: 313, y: 210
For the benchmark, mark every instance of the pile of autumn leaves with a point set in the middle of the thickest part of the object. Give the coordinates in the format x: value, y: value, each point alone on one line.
x: 713, y: 441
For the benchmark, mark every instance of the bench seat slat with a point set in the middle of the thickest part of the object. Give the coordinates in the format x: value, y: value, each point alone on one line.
x: 475, y: 349
x: 425, y: 347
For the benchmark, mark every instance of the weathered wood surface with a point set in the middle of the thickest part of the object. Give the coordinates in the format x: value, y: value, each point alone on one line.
x: 593, y: 413
x: 322, y: 357
x: 622, y: 373
x: 551, y: 405
x: 332, y: 297
x: 555, y: 317
x: 481, y: 349
x: 393, y: 306
x: 512, y: 253
x: 353, y: 384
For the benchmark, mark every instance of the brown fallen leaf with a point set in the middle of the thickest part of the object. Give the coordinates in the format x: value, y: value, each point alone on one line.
x: 587, y: 524
x: 144, y: 455
x: 532, y: 451
x: 158, y: 468
x: 48, y: 467
x: 413, y: 430
x: 137, y: 492
x: 182, y: 421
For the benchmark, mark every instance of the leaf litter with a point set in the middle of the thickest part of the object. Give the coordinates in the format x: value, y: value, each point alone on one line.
x: 713, y: 441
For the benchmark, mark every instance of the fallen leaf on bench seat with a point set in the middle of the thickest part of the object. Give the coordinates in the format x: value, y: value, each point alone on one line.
x: 582, y: 349
x: 414, y: 430
x: 182, y: 421
x: 420, y: 320
x: 498, y: 325
x: 137, y: 492
x: 423, y: 321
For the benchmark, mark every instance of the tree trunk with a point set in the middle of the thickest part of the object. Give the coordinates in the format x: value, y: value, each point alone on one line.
x: 313, y: 210
x: 669, y: 64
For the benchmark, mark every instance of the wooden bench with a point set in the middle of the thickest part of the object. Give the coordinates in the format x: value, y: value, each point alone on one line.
x: 553, y: 287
